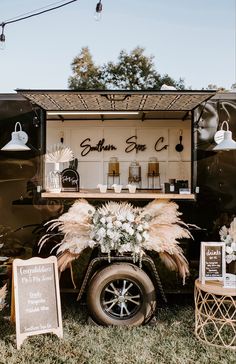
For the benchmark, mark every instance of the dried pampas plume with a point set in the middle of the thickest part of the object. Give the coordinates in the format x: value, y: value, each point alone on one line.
x: 3, y: 293
x: 59, y: 153
x: 165, y: 229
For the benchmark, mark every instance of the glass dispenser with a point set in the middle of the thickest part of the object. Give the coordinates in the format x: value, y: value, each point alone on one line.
x: 135, y: 174
x: 113, y: 175
x: 153, y: 174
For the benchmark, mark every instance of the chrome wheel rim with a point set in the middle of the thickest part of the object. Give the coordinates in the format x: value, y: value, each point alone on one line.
x: 121, y: 299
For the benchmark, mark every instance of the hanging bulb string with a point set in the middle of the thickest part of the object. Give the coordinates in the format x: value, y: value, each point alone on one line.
x: 35, y: 14
x: 35, y: 10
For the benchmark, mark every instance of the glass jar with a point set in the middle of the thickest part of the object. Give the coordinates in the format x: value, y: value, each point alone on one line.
x: 113, y: 167
x: 54, y: 179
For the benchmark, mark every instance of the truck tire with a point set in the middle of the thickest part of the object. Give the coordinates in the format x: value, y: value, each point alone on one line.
x: 121, y: 294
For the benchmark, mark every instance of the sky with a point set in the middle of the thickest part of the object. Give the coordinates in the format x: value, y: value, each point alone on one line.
x: 191, y: 39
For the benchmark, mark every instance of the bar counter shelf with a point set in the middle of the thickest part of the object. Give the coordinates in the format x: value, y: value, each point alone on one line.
x: 139, y: 195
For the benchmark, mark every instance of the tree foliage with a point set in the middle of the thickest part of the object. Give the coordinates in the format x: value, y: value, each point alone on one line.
x: 86, y: 75
x: 131, y: 71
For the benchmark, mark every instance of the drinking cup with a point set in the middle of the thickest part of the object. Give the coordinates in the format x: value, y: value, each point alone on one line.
x: 132, y: 188
x: 102, y: 188
x: 117, y: 188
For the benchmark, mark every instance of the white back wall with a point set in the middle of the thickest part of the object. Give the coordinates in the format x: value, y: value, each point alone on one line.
x: 93, y: 166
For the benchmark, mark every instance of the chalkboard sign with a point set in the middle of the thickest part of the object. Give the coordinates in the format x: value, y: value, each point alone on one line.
x: 36, y: 297
x: 212, y: 261
x: 70, y: 180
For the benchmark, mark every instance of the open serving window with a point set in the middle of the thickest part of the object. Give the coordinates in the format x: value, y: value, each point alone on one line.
x: 141, y: 138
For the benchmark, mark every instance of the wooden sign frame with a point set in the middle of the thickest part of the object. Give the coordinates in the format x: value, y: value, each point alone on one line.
x: 202, y: 270
x: 70, y: 180
x: 38, y: 305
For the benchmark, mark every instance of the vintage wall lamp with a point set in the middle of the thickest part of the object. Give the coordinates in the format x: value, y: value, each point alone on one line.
x: 18, y: 140
x: 223, y: 138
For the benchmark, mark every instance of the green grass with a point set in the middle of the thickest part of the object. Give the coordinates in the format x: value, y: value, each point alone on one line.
x: 170, y: 341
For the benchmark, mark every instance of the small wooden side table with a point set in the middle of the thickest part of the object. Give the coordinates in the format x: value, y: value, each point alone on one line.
x: 215, y: 314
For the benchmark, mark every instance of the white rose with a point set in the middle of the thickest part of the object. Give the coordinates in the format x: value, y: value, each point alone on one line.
x: 120, y: 217
x: 140, y: 228
x: 91, y: 243
x: 116, y: 236
x: 228, y: 239
x: 229, y: 258
x: 103, y: 249
x: 117, y: 223
x: 233, y: 246
x: 137, y: 249
x: 138, y: 237
x: 229, y: 250
x: 126, y: 227
x: 130, y: 216
x: 223, y: 233
x: 145, y: 235
x: 101, y: 233
x: 125, y: 248
x: 110, y: 234
x: 103, y: 220
x: 109, y: 219
x: 109, y: 225
x: 131, y: 231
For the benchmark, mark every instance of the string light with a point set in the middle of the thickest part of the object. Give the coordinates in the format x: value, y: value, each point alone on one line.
x: 2, y: 37
x: 98, y: 11
x: 27, y: 16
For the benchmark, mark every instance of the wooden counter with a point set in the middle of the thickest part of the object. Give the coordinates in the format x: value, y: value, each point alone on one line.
x: 125, y: 195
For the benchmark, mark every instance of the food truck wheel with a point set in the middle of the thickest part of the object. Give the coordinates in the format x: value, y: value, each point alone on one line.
x: 121, y: 294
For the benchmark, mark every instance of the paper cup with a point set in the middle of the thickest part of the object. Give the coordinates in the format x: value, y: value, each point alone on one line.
x: 132, y: 188
x: 102, y: 188
x: 118, y: 188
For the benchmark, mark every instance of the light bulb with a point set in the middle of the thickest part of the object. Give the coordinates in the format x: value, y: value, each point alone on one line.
x: 98, y: 11
x: 2, y: 37
x: 2, y: 42
x: 98, y: 16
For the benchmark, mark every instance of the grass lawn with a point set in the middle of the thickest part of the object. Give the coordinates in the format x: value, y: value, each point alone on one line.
x: 170, y: 340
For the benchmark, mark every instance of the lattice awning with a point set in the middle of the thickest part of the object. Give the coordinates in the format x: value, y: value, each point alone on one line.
x: 143, y: 101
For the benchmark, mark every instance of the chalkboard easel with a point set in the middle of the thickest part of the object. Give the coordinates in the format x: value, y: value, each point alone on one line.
x: 212, y: 262
x: 36, y: 306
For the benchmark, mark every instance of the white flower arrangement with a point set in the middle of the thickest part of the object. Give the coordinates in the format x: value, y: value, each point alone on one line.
x: 228, y: 236
x: 121, y: 227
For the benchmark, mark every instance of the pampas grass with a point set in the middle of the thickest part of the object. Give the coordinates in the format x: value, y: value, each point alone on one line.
x: 59, y: 153
x: 163, y: 232
x: 3, y: 293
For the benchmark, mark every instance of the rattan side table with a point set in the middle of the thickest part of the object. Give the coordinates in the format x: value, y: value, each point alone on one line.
x: 215, y: 314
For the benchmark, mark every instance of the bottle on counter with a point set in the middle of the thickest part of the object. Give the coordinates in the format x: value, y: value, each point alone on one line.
x: 54, y: 179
